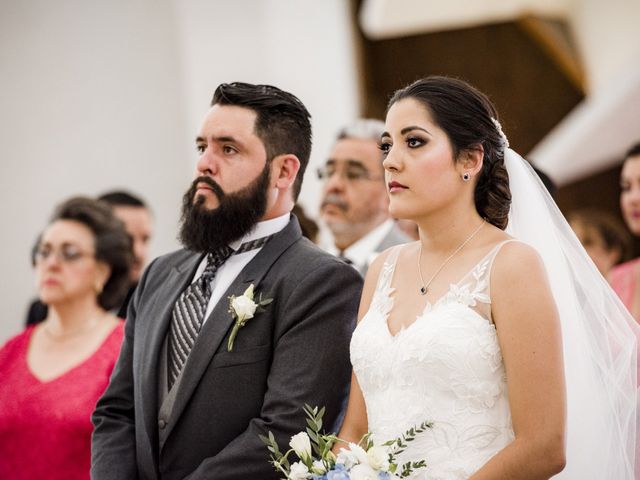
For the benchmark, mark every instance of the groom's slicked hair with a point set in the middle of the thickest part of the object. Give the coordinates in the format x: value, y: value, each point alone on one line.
x: 469, y: 119
x: 283, y: 123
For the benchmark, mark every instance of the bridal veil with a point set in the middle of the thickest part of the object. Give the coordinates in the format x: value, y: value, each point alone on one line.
x: 599, y: 336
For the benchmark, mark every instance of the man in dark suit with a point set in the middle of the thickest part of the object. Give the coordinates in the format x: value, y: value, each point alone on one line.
x: 187, y: 399
x: 355, y: 204
x: 138, y: 221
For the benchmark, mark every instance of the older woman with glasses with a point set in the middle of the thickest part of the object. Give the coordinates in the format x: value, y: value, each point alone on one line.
x: 53, y: 373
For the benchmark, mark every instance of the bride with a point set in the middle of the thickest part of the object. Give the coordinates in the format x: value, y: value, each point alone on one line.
x: 494, y: 326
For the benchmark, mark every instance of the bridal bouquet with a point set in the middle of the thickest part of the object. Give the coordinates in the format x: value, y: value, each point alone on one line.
x: 362, y: 461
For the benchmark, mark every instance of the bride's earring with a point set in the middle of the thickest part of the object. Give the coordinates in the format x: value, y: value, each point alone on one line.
x: 466, y: 176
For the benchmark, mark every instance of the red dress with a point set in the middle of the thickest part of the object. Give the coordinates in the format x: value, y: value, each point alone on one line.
x: 45, y: 427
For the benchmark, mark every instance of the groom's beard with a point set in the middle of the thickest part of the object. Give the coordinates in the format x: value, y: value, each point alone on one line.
x: 206, y: 230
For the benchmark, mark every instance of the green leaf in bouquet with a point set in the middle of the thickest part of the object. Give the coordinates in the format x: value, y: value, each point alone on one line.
x: 409, y: 467
x: 277, y: 459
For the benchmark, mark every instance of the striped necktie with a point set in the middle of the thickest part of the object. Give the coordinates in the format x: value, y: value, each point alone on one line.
x: 191, y: 305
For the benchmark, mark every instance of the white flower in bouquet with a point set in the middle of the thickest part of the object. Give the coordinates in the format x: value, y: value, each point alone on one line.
x: 301, y: 444
x: 318, y: 467
x: 347, y: 458
x: 359, y: 452
x: 363, y: 472
x: 299, y: 471
x: 353, y: 456
x: 378, y: 458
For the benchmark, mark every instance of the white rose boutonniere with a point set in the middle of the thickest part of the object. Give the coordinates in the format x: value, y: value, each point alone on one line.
x: 243, y: 308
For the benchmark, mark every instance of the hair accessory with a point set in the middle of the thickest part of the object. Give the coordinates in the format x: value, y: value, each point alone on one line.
x: 424, y: 288
x: 466, y: 176
x: 505, y: 140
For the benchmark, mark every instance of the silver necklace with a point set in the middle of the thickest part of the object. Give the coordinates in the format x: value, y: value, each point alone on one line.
x: 424, y: 288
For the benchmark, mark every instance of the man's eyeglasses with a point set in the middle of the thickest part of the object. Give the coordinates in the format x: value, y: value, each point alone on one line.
x: 351, y: 173
x: 66, y: 254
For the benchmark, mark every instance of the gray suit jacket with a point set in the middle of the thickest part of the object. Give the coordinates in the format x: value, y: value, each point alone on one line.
x: 395, y: 237
x: 295, y: 352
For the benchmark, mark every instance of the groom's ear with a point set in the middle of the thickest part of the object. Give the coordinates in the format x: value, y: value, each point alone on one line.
x: 471, y: 159
x: 284, y: 169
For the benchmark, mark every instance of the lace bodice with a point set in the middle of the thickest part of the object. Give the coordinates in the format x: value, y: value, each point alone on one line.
x: 446, y: 367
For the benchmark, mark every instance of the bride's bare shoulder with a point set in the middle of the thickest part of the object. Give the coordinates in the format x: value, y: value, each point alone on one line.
x: 517, y: 262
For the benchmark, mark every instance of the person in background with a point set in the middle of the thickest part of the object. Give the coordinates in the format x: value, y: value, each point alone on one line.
x: 355, y: 204
x: 54, y: 372
x: 138, y: 222
x: 625, y: 278
x: 604, y: 238
x: 409, y: 227
x: 546, y: 181
x: 309, y: 227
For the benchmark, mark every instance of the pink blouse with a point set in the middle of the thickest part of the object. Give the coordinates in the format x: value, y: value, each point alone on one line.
x: 623, y: 281
x: 45, y: 427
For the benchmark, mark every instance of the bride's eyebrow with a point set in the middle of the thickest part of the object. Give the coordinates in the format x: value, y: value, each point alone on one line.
x: 414, y: 127
x: 406, y: 130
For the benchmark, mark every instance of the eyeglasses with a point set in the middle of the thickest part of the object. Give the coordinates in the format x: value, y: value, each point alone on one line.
x: 351, y: 173
x: 66, y: 254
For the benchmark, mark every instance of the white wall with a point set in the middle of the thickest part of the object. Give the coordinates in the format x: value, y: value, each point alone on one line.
x: 608, y: 36
x: 302, y: 46
x: 97, y: 95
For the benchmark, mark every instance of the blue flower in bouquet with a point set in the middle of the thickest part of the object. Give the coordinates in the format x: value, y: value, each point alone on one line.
x: 338, y: 473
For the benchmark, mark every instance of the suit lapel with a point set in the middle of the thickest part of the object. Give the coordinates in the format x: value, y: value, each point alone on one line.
x: 220, y: 321
x: 159, y: 320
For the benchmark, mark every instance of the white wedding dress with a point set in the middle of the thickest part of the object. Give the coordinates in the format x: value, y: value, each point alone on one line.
x: 445, y: 368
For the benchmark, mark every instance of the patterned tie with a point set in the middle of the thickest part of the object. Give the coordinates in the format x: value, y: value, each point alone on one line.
x: 189, y: 309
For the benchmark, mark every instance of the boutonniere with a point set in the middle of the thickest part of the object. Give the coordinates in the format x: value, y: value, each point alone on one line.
x: 243, y: 308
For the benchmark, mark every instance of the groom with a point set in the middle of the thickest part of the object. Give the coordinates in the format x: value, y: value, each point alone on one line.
x: 187, y: 399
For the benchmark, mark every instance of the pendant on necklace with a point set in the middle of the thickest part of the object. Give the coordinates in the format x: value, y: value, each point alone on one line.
x: 423, y: 290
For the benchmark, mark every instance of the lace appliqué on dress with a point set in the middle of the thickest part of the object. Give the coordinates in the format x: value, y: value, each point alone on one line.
x: 471, y: 289
x: 446, y: 367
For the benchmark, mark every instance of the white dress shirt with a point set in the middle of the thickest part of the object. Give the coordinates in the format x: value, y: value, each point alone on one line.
x: 228, y: 272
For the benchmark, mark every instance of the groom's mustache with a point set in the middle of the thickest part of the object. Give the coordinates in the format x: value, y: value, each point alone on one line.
x: 210, y: 182
x: 335, y: 200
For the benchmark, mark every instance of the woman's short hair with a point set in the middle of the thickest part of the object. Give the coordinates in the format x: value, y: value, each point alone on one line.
x: 113, y: 244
